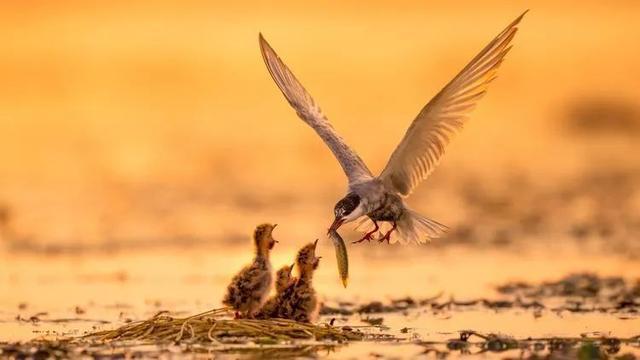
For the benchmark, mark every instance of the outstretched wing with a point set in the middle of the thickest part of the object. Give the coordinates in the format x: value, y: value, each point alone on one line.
x: 423, y: 144
x: 310, y: 112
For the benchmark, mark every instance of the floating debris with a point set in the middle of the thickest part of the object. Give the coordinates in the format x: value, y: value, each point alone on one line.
x: 582, y: 293
x: 78, y: 349
x: 341, y: 310
x: 373, y: 320
x: 468, y: 342
x: 584, y: 347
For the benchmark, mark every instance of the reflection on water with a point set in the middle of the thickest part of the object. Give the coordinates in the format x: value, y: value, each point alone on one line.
x: 507, y: 236
x: 87, y: 290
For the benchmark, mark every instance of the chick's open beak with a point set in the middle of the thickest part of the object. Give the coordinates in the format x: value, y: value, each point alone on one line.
x: 336, y: 224
x: 291, y: 268
x: 273, y: 241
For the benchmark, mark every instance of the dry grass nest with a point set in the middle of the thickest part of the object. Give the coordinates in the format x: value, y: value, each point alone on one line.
x: 216, y: 326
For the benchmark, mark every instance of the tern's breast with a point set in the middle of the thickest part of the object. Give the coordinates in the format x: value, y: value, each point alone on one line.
x: 371, y: 192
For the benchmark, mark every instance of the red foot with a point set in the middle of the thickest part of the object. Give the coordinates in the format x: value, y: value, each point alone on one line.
x: 387, y: 236
x: 368, y: 236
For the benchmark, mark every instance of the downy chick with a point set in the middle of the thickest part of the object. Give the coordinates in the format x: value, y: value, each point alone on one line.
x: 299, y: 301
x: 283, y: 281
x: 249, y: 289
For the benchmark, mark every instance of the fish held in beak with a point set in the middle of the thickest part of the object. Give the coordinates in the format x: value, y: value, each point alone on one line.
x: 337, y: 222
x: 341, y: 256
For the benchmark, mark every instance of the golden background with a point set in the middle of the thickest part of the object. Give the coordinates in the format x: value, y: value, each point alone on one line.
x: 121, y: 120
x: 141, y: 142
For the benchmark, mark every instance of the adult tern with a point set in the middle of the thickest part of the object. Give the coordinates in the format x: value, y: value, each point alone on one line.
x: 381, y: 198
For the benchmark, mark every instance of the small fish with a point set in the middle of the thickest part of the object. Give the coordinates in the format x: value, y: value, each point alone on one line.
x: 341, y: 256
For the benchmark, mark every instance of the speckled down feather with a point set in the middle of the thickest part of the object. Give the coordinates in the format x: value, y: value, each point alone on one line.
x: 249, y: 289
x: 283, y: 281
x: 298, y: 302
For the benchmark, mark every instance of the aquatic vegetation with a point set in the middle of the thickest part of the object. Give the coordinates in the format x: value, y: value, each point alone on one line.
x: 581, y: 293
x: 578, y: 293
x: 472, y: 342
x: 467, y: 342
x: 215, y: 326
x: 79, y: 349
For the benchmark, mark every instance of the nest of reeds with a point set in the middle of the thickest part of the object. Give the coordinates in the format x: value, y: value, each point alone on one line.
x: 215, y: 326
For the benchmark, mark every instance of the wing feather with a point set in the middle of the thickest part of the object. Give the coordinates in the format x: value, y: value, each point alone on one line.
x: 310, y: 113
x: 424, y: 142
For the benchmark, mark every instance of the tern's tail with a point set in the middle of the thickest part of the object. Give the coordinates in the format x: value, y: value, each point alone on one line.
x: 415, y: 228
x: 411, y: 228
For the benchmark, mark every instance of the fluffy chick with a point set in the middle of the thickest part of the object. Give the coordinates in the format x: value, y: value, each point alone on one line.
x: 249, y: 289
x: 299, y: 301
x: 283, y: 281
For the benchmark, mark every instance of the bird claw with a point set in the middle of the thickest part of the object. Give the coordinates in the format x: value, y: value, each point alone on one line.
x: 386, y: 237
x: 368, y: 236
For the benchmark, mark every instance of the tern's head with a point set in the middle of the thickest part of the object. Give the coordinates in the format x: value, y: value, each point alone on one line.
x: 346, y: 210
x: 284, y: 278
x: 263, y: 238
x: 307, y: 260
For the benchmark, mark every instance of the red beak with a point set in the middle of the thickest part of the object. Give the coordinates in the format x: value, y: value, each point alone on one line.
x: 336, y: 224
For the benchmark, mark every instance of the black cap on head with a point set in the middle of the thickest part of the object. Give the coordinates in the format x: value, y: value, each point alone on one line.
x: 346, y: 205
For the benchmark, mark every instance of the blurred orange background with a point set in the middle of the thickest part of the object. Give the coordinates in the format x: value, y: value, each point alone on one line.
x: 141, y: 142
x: 153, y: 118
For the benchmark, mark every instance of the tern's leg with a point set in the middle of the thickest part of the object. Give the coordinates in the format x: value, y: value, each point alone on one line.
x: 368, y: 236
x: 387, y: 236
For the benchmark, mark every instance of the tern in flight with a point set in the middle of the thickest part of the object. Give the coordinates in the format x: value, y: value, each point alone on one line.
x: 381, y: 198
